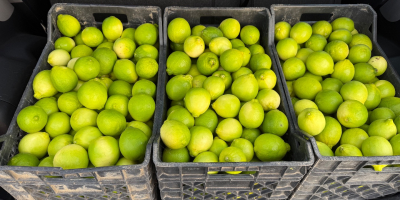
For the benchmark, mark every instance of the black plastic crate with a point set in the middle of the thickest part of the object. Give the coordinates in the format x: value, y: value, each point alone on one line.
x: 342, y: 177
x: 273, y: 180
x: 114, y: 182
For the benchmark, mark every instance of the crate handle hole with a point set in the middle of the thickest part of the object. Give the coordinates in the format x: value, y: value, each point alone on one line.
x: 213, y: 19
x: 100, y: 17
x: 316, y: 16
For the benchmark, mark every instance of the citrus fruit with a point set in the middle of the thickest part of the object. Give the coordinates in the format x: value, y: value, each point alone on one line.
x: 58, y: 143
x: 332, y: 84
x: 106, y: 45
x: 250, y: 35
x: 251, y: 114
x: 229, y: 129
x: 65, y: 43
x: 232, y: 154
x: 359, y: 54
x: 397, y: 123
x: 175, y: 134
x: 303, y: 54
x: 47, y: 162
x: 103, y: 151
x: 68, y: 102
x: 193, y: 70
x: 112, y: 28
x: 196, y: 30
x: 293, y: 100
x: 236, y: 43
x: 146, y: 68
x: 311, y: 121
x: 352, y: 114
x: 313, y: 87
x: 251, y: 134
x: 92, y: 95
x: 63, y: 79
x: 343, y: 23
x: 260, y: 61
x: 124, y: 161
x: 124, y: 48
x: 197, y: 101
x: 118, y: 103
x: 68, y: 25
x: 194, y: 46
x: 92, y: 36
x: 242, y: 71
x: 269, y: 147
x: 132, y: 143
x: 57, y: 124
x: 207, y: 157
x: 331, y: 133
x: 354, y: 136
x: 374, y: 96
x: 225, y: 76
x: 301, y: 32
x: 178, y: 30
x: 58, y: 57
x: 266, y: 78
x: 182, y: 115
x: 106, y: 58
x: 230, y: 28
x: 86, y: 135
x: 81, y: 51
x: 381, y: 113
x: 48, y: 104
x: 392, y: 103
x: 347, y: 150
x: 269, y: 99
x: 219, y: 45
x: 382, y: 127
x: 379, y: 63
x: 245, y: 87
x: 246, y: 55
x: 344, y: 71
x: 354, y: 90
x: 208, y: 119
x: 275, y: 122
x: 364, y: 127
x: 175, y: 155
x: 256, y: 49
x: 320, y: 63
x: 293, y: 68
x: 200, y: 141
x: 32, y: 119
x: 328, y: 101
x: 215, y: 86
x: 303, y: 104
x: 42, y: 85
x: 210, y: 33
x: 342, y: 35
x: 246, y: 147
x: 141, y: 107
x: 322, y: 27
x: 231, y: 60
x: 120, y: 87
x: 324, y: 150
x: 142, y: 126
x: 144, y: 87
x: 111, y: 122
x: 87, y: 68
x: 377, y: 146
x: 337, y: 49
x: 145, y: 51
x: 24, y: 159
x: 129, y: 33
x: 316, y: 43
x: 227, y: 106
x: 179, y: 63
x: 207, y: 63
x: 78, y: 38
x: 35, y: 144
x: 147, y: 34
x: 217, y: 146
x: 386, y: 88
x: 83, y: 117
x: 395, y: 145
x: 282, y: 30
x: 176, y: 47
x: 286, y: 48
x: 361, y: 39
x: 364, y: 72
x: 311, y: 75
x: 178, y: 86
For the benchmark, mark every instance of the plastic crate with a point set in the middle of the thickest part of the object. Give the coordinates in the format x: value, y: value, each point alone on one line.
x: 273, y: 180
x: 114, y: 182
x: 342, y: 177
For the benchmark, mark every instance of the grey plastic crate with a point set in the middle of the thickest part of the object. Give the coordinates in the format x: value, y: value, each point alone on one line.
x: 342, y: 177
x: 273, y: 180
x: 114, y: 182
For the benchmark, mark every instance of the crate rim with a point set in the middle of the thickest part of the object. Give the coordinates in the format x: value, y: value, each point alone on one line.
x: 59, y: 170
x: 158, y: 162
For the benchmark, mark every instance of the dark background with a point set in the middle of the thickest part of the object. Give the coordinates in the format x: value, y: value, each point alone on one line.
x: 23, y: 37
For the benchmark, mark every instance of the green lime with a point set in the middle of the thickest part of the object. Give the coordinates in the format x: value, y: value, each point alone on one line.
x: 145, y: 51
x: 311, y: 121
x: 112, y: 28
x: 48, y: 104
x: 104, y: 145
x: 87, y: 68
x: 120, y: 87
x: 83, y: 117
x: 386, y: 88
x: 251, y: 134
x: 306, y: 88
x: 58, y: 57
x: 301, y: 32
x: 359, y: 54
x: 194, y: 46
x: 303, y: 54
x: 230, y: 28
x: 144, y: 87
x: 178, y: 86
x: 32, y: 119
x: 225, y: 76
x: 175, y: 134
x: 328, y: 101
x: 361, y: 39
x: 246, y: 55
x: 146, y: 34
x: 193, y: 70
x: 323, y: 28
x: 207, y: 63
x: 303, y: 104
x: 275, y: 122
x: 245, y: 87
x: 354, y: 136
x: 129, y: 33
x: 311, y: 75
x: 65, y: 43
x: 208, y: 119
x: 377, y: 146
x: 141, y: 107
x: 269, y: 99
x: 269, y: 147
x: 215, y: 86
x: 354, y: 90
x: 124, y: 161
x: 331, y: 133
x: 293, y: 68
x: 343, y: 23
x: 227, y: 106
x: 251, y: 114
x: 142, y: 126
x: 347, y: 150
x: 395, y: 145
x: 106, y: 45
x: 379, y: 63
x: 260, y: 61
x: 178, y: 30
x: 106, y: 58
x: 219, y: 45
x: 124, y: 48
x: 229, y: 129
x: 78, y: 38
x: 175, y: 155
x: 132, y: 143
x: 352, y: 114
x: 231, y: 60
x: 382, y: 127
x: 316, y: 42
x: 364, y: 72
x: 342, y: 35
x: 179, y: 63
x: 63, y: 79
x: 324, y: 149
x: 266, y: 78
x: 93, y: 95
x: 58, y: 143
x: 146, y: 68
x: 210, y: 33
x: 68, y: 102
x: 250, y: 35
x: 86, y: 135
x: 68, y: 25
x: 344, y: 71
x: 92, y: 36
x: 256, y: 49
x: 47, y: 162
x: 217, y: 146
x: 197, y: 101
x: 182, y: 115
x: 374, y: 97
x: 246, y: 147
x: 196, y: 31
x: 242, y: 71
x: 320, y: 63
x: 81, y: 51
x: 57, y: 124
x: 337, y: 49
x: 207, y: 157
x: 236, y: 43
x: 332, y: 84
x: 200, y: 141
x: 24, y: 159
x: 42, y: 85
x: 126, y: 70
x: 35, y: 144
x: 286, y: 48
x: 282, y: 30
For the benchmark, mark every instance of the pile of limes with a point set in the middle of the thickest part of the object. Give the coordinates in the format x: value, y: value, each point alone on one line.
x: 223, y: 106
x: 335, y: 91
x: 99, y: 80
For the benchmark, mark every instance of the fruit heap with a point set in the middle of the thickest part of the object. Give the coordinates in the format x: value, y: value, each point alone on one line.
x: 86, y: 99
x: 221, y: 86
x: 335, y: 91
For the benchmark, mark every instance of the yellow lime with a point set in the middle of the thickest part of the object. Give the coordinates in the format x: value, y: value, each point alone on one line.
x: 178, y: 30
x: 250, y: 35
x: 386, y: 88
x: 182, y: 115
x: 231, y: 60
x: 286, y: 48
x: 306, y: 88
x: 303, y: 104
x: 354, y: 90
x: 141, y: 107
x: 142, y: 126
x: 175, y: 134
x: 104, y: 151
x: 331, y: 133
x: 81, y: 51
x: 197, y: 101
x: 86, y: 135
x: 78, y: 38
x: 201, y: 140
x: 323, y: 28
x: 112, y: 28
x: 379, y: 63
x: 194, y: 46
x: 352, y: 114
x: 311, y: 121
x: 344, y: 71
x: 42, y: 85
x: 230, y: 28
x: 320, y: 63
x: 342, y: 35
x: 303, y: 54
x: 68, y: 25
x: 269, y: 99
x: 68, y: 102
x: 232, y: 154
x: 343, y: 23
x: 129, y: 33
x: 282, y: 30
x: 83, y: 117
x: 58, y: 143
x: 354, y: 136
x: 58, y: 57
x: 92, y: 36
x: 359, y: 54
x: 48, y: 104
x: 219, y: 45
x: 324, y: 149
x: 215, y: 86
x: 124, y: 48
x: 35, y: 144
x: 301, y: 32
x: 245, y: 87
x: 58, y: 124
x: 382, y: 127
x: 293, y: 68
x: 251, y: 114
x: 196, y: 31
x: 92, y: 95
x: 374, y: 96
x: 337, y: 49
x: 361, y: 39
